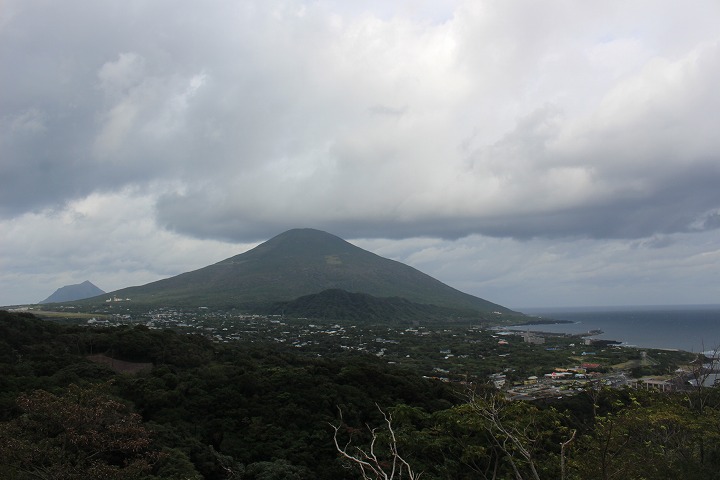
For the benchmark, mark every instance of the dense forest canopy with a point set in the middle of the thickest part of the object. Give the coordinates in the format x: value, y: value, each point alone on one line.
x: 73, y: 406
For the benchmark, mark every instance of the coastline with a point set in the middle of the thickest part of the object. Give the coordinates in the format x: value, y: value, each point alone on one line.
x: 690, y: 329
x: 590, y: 333
x: 542, y: 321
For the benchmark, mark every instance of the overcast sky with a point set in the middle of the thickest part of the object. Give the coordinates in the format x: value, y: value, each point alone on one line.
x: 533, y: 153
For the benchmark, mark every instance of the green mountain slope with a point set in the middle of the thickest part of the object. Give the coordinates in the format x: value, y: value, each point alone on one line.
x: 296, y: 263
x: 339, y: 305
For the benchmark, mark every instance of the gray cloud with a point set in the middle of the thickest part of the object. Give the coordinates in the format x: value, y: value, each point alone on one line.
x: 385, y: 110
x: 235, y: 121
x: 258, y: 115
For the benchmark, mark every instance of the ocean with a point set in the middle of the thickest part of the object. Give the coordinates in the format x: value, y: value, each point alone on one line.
x: 693, y: 328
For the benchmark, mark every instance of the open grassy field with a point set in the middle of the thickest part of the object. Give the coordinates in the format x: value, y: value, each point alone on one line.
x: 67, y: 315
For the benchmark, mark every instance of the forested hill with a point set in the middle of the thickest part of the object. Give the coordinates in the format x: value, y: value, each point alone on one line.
x: 70, y: 407
x: 339, y: 305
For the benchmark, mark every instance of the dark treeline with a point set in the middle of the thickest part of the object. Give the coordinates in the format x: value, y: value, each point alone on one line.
x: 264, y: 411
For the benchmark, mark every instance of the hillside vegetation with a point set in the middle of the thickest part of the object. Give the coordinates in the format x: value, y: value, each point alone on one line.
x: 265, y: 411
x: 340, y: 305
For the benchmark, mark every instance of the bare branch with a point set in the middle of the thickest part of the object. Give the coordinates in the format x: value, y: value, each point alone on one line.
x: 563, y: 446
x: 371, y: 466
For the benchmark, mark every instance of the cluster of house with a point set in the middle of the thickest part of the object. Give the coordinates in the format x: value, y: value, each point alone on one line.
x: 703, y: 372
x: 116, y: 299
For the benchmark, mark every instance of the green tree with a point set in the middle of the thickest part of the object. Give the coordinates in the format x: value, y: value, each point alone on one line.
x: 80, y: 434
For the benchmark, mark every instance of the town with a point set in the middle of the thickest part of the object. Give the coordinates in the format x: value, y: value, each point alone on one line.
x: 523, y: 364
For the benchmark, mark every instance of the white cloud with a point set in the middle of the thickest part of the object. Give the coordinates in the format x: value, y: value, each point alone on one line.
x: 119, y: 76
x: 31, y: 121
x: 110, y: 239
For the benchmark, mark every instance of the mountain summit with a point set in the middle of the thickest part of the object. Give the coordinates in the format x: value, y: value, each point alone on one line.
x: 78, y: 291
x: 302, y: 262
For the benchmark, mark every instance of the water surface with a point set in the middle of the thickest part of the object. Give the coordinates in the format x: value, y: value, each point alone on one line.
x: 693, y: 328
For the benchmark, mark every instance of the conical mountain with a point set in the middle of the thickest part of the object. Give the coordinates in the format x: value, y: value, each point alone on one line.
x: 301, y: 262
x: 78, y: 291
